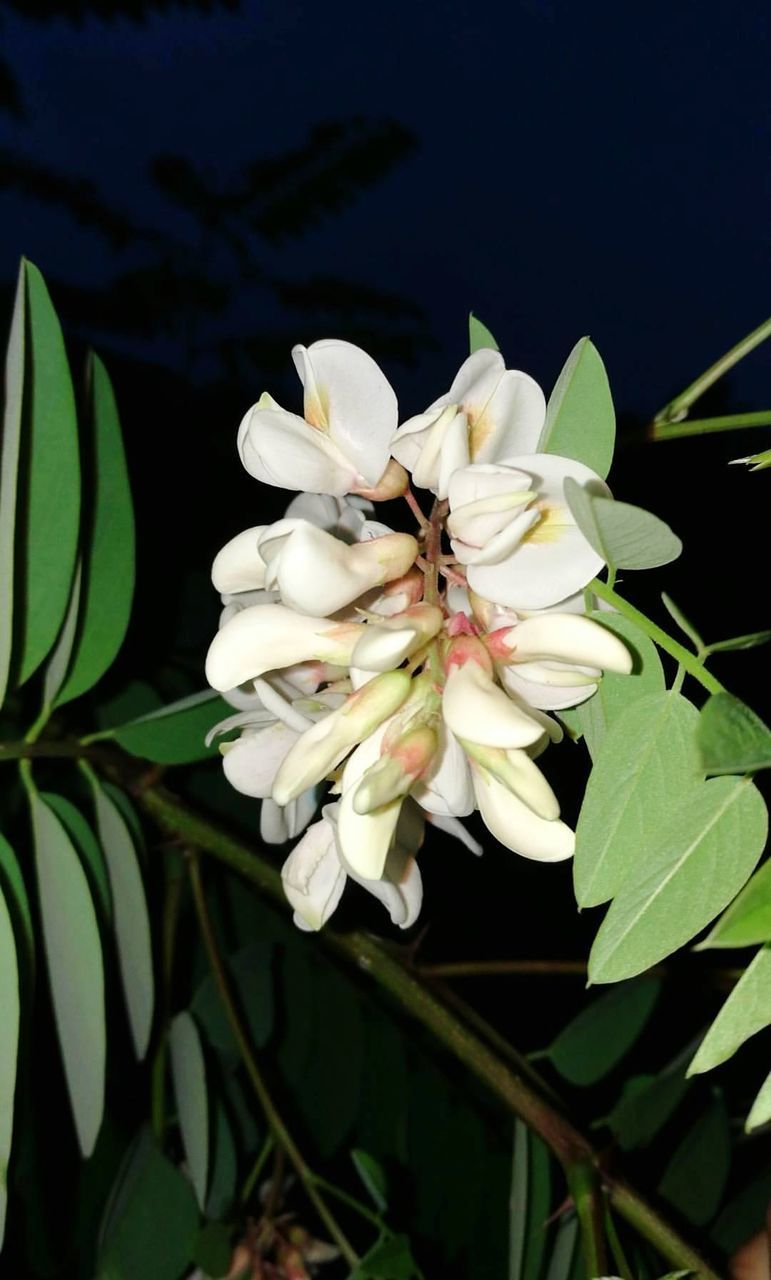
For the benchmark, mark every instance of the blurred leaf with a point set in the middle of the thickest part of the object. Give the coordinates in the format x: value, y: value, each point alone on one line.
x: 564, y: 1249
x: 49, y: 482
x: 329, y: 1088
x: 152, y: 1224
x: 125, y: 806
x: 373, y: 1176
x: 87, y: 845
x: 746, y: 1011
x: 732, y: 738
x: 174, y: 734
x: 647, y: 764
x: 10, y: 97
x: 750, y: 641
x: 134, y: 699
x: 224, y: 1168
x: 9, y: 1047
x: 75, y: 970
x: 479, y: 335
x: 108, y: 550
x: 14, y: 890
x: 760, y: 1111
x: 695, y: 1178
x: 390, y: 1259
x: 530, y: 1204
x: 745, y: 1213
x: 603, y: 1033
x: 9, y: 469
x: 748, y: 919
x: 593, y: 718
x: 688, y: 629
x: 645, y: 1106
x: 213, y: 1250
x: 580, y: 418
x: 188, y: 1074
x: 59, y: 659
x: 251, y: 972
x: 625, y: 536
x: 722, y: 823
x: 382, y: 1122
x: 130, y: 917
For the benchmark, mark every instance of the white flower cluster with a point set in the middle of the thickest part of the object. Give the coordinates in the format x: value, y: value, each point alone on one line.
x: 414, y: 673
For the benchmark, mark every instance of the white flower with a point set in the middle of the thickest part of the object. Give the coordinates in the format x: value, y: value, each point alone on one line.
x: 488, y: 414
x: 342, y: 443
x: 512, y: 528
x: 553, y: 660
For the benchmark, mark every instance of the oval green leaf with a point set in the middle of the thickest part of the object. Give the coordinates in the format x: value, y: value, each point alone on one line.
x: 174, y: 734
x: 59, y: 662
x: 87, y: 846
x: 188, y: 1074
x: 580, y: 418
x: 760, y: 1112
x: 625, y: 536
x: 645, y: 765
x: 721, y: 824
x: 695, y: 1178
x: 748, y: 919
x: 10, y: 449
x: 9, y: 1047
x: 13, y: 887
x: 49, y: 483
x: 108, y: 551
x: 732, y: 738
x: 746, y: 1011
x: 130, y: 918
x: 75, y: 968
x: 602, y: 1034
x: 645, y: 1106
x: 479, y: 335
x: 593, y: 718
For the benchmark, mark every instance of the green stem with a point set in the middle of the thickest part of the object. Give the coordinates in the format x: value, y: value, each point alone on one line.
x: 586, y: 1193
x: 616, y: 1248
x: 355, y: 1205
x: 271, y: 1112
x: 678, y: 651
x: 703, y: 426
x: 257, y: 1168
x: 366, y: 955
x: 677, y: 408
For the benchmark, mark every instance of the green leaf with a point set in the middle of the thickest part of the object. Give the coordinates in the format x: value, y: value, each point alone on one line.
x: 646, y: 764
x: 580, y: 418
x: 75, y: 969
x: 87, y: 845
x: 130, y: 917
x: 108, y: 553
x: 720, y: 824
x: 529, y: 1204
x: 745, y: 1213
x: 625, y: 536
x: 250, y: 970
x: 746, y: 1011
x: 564, y: 1248
x: 213, y: 1250
x: 188, y: 1074
x: 224, y: 1168
x: 10, y: 451
x: 695, y: 1178
x: 645, y: 1106
x: 390, y: 1259
x: 732, y: 738
x: 174, y: 734
x: 9, y: 1047
x: 748, y: 919
x: 373, y: 1176
x: 760, y: 1112
x: 736, y: 643
x: 59, y: 660
x: 49, y: 482
x: 15, y: 892
x: 599, y: 1037
x: 479, y: 335
x: 688, y: 629
x: 593, y: 718
x: 152, y: 1225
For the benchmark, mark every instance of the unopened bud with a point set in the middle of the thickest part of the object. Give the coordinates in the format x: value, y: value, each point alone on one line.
x: 392, y: 484
x: 517, y: 773
x: 398, y: 769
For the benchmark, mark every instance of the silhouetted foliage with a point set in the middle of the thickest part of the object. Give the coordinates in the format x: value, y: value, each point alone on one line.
x: 10, y: 94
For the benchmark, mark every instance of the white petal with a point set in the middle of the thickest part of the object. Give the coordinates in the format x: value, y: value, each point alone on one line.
x: 569, y: 637
x: 475, y: 707
x: 273, y: 827
x: 319, y: 574
x: 511, y: 421
x: 502, y: 545
x: 313, y: 877
x: 365, y: 838
x: 282, y: 449
x: 455, y: 828
x: 547, y: 697
x: 239, y: 565
x: 265, y: 637
x: 476, y: 380
x: 517, y: 773
x: 447, y: 790
x: 486, y: 480
x: 407, y: 444
x: 252, y: 762
x: 356, y: 399
x: 516, y: 826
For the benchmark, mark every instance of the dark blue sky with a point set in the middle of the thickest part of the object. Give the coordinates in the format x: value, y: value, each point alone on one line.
x: 597, y: 168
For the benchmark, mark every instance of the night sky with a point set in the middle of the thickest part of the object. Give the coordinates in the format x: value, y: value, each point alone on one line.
x: 598, y: 168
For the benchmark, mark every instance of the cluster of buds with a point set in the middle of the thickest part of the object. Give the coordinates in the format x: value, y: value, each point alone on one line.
x: 413, y: 674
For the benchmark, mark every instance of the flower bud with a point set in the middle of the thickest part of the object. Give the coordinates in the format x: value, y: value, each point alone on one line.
x: 239, y: 565
x: 516, y: 825
x: 384, y: 645
x: 475, y: 707
x: 392, y: 484
x: 517, y: 773
x: 566, y: 637
x: 265, y: 637
x: 397, y: 770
